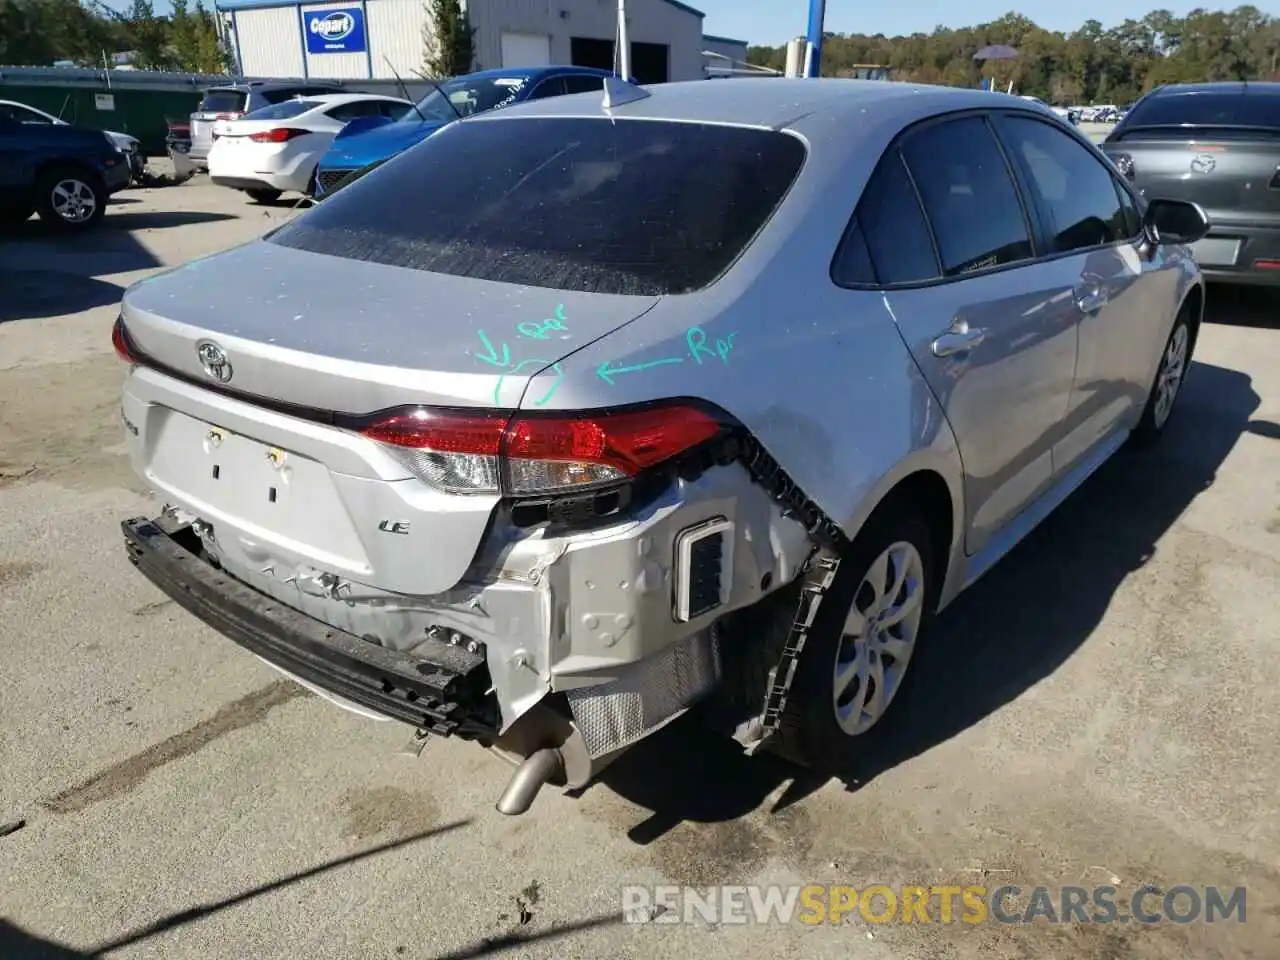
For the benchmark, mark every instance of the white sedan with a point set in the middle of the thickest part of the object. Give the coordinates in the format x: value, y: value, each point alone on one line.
x: 276, y: 149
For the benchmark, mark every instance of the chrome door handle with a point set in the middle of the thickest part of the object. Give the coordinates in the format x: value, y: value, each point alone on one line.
x: 958, y: 340
x: 1091, y: 302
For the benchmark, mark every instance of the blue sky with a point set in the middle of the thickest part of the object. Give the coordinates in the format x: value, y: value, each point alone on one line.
x: 772, y: 22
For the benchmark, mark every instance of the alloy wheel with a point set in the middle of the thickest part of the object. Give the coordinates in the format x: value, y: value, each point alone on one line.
x: 73, y: 200
x: 1173, y: 366
x: 879, y: 637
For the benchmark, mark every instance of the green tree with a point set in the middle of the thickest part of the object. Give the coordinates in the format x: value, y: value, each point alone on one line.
x: 149, y: 38
x: 193, y: 39
x: 449, y: 40
x: 1090, y: 64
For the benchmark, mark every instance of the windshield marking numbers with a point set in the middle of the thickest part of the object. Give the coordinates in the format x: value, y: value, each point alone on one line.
x: 539, y: 331
x: 534, y: 330
x: 695, y: 339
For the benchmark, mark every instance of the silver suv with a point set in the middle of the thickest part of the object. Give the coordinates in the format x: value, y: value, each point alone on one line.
x: 578, y: 414
x: 234, y: 100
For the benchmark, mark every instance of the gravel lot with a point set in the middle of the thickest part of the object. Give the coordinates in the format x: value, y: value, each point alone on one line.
x: 1103, y: 705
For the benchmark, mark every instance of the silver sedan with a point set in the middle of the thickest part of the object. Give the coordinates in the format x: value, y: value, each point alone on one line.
x: 587, y: 411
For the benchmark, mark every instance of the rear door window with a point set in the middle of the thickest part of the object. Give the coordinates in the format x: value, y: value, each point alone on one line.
x: 593, y: 204
x: 896, y: 235
x: 968, y: 195
x: 224, y: 101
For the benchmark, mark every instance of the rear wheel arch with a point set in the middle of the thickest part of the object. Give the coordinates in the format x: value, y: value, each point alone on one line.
x: 926, y: 491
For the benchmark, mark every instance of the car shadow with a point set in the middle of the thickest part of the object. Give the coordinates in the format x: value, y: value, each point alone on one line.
x: 74, y: 260
x: 31, y: 294
x: 18, y: 943
x: 1012, y: 629
x: 36, y: 229
x: 21, y: 945
x: 160, y: 219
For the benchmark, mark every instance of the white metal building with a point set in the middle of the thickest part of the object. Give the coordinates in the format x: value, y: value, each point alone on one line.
x: 376, y: 39
x: 726, y: 55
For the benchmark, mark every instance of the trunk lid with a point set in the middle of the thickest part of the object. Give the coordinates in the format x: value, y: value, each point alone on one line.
x: 1234, y: 180
x: 351, y: 336
x: 294, y: 500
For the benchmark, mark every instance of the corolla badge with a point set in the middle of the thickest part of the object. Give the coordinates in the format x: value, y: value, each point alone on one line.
x: 214, y: 360
x: 1203, y: 163
x: 335, y: 26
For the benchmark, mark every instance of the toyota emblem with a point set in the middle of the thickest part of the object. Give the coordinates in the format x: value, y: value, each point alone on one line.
x: 214, y: 360
x: 1203, y: 163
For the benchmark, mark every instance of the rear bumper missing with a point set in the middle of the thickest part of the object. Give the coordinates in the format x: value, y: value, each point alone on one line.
x: 439, y: 687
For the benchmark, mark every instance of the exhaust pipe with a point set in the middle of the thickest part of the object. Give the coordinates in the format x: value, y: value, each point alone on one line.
x: 535, y: 770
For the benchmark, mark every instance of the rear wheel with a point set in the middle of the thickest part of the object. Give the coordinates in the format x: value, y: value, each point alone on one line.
x: 264, y: 196
x: 70, y: 198
x: 857, y: 660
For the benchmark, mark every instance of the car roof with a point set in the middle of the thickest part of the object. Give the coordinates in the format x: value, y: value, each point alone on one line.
x: 250, y: 86
x: 812, y: 107
x: 329, y: 99
x: 1244, y: 87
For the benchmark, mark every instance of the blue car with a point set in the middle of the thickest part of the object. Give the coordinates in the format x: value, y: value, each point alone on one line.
x: 62, y: 172
x: 369, y: 140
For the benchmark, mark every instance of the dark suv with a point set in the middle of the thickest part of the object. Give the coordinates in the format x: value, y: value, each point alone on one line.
x: 64, y: 173
x: 1218, y: 145
x: 233, y: 100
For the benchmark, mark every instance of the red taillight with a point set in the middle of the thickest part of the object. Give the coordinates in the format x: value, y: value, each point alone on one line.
x: 553, y: 453
x: 276, y: 135
x: 465, y: 452
x: 120, y: 340
x: 442, y: 431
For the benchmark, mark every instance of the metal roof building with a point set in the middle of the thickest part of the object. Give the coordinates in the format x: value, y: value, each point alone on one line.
x: 377, y: 39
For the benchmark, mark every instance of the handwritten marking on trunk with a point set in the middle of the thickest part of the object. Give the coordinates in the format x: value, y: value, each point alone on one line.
x: 695, y: 339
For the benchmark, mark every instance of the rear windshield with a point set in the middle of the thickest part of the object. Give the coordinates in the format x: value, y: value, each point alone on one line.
x: 281, y: 94
x: 283, y: 111
x: 223, y: 101
x: 1223, y: 110
x: 626, y: 206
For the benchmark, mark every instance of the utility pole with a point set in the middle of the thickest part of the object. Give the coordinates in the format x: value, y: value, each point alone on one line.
x: 817, y: 17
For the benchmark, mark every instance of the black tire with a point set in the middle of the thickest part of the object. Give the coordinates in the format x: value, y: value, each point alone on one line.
x: 810, y: 733
x: 1157, y: 414
x: 264, y: 196
x: 70, y: 198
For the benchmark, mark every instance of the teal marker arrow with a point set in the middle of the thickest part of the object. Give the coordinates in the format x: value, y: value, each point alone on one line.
x: 606, y: 373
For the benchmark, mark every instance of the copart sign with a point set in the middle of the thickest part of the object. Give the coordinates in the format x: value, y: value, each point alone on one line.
x: 335, y: 30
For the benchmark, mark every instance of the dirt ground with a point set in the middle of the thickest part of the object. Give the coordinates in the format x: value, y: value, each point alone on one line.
x: 1102, y: 708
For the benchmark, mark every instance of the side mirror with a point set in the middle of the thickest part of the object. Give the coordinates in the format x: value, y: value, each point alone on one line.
x: 1175, y: 221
